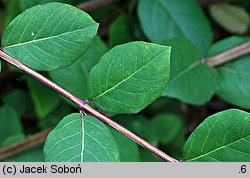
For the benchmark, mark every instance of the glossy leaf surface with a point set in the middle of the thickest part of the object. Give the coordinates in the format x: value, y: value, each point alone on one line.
x: 48, y: 37
x: 129, y: 77
x: 223, y: 137
x: 66, y: 143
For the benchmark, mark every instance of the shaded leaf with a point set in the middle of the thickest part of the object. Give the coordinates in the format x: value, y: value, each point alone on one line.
x: 139, y: 125
x: 143, y: 127
x: 129, y: 77
x: 147, y: 156
x: 66, y: 143
x: 13, y: 99
x: 120, y: 30
x: 10, y: 126
x: 162, y: 20
x: 232, y: 18
x: 12, y: 139
x: 74, y: 77
x: 175, y: 148
x: 45, y: 99
x: 234, y: 81
x: 223, y: 137
x: 129, y: 150
x: 190, y: 80
x: 164, y: 105
x: 48, y: 37
x: 166, y: 127
x: 55, y: 116
x: 94, y: 54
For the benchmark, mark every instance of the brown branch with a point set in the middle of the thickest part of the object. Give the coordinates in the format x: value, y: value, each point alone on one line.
x: 91, y: 5
x: 35, y: 140
x: 24, y: 145
x: 82, y: 105
x: 228, y: 55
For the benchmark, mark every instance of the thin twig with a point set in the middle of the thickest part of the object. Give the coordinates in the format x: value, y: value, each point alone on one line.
x: 24, y: 145
x: 82, y: 105
x: 91, y: 5
x: 228, y: 55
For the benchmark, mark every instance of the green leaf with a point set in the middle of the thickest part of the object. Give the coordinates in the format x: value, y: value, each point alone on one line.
x: 13, y: 99
x: 55, y: 116
x: 12, y: 139
x: 142, y: 126
x: 10, y: 126
x: 137, y: 124
x: 25, y: 4
x: 7, y: 15
x: 223, y: 137
x: 175, y: 148
x: 189, y: 77
x: 129, y: 150
x: 94, y: 54
x: 147, y: 156
x: 232, y: 18
x: 166, y: 127
x: 162, y: 20
x: 129, y: 77
x: 48, y: 37
x: 66, y: 142
x: 120, y: 30
x: 164, y: 104
x: 45, y: 99
x: 234, y: 81
x: 74, y: 77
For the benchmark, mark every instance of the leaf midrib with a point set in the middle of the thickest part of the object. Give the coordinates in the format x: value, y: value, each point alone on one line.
x: 46, y: 38
x: 212, y: 151
x: 128, y: 76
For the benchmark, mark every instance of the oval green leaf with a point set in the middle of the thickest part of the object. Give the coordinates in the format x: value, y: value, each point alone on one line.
x: 162, y: 20
x: 234, y: 80
x: 223, y: 137
x: 70, y: 142
x: 232, y: 18
x: 129, y: 77
x: 48, y: 37
x: 189, y: 77
x: 166, y: 127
